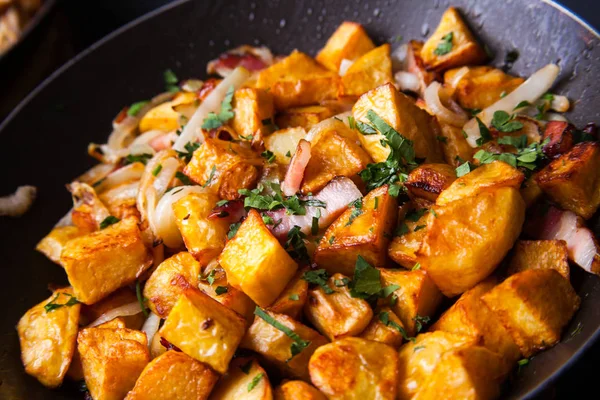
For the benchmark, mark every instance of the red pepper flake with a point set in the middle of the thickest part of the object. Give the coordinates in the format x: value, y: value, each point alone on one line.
x: 207, y: 324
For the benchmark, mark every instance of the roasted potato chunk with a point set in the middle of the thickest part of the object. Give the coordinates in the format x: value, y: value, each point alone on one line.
x: 362, y: 229
x: 298, y: 390
x: 534, y: 306
x: 481, y: 86
x: 417, y: 297
x: 367, y: 72
x: 540, y: 254
x: 174, y: 376
x: 354, y: 368
x: 246, y: 379
x: 469, y: 316
x: 112, y: 360
x: 452, y: 44
x: 47, y: 334
x: 229, y: 296
x: 256, y: 263
x: 293, y: 298
x: 53, y: 243
x: 573, y: 179
x: 204, y: 329
x: 283, y: 143
x: 303, y: 117
x: 405, y: 244
x: 349, y: 41
x: 337, y: 314
x: 381, y: 332
x: 560, y: 136
x: 454, y: 146
x: 531, y: 191
x: 494, y: 175
x: 101, y: 262
x: 163, y: 117
x: 456, y: 266
x: 298, y: 80
x: 429, y: 180
x: 116, y: 299
x: 400, y: 112
x: 169, y: 280
x: 275, y: 345
x: 224, y: 167
x: 253, y: 109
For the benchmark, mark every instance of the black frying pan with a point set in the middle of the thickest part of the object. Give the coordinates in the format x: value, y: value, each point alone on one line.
x: 44, y: 141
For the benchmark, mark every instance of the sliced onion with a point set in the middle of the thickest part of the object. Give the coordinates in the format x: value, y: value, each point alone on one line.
x: 122, y: 311
x: 192, y: 131
x: 314, y: 134
x: 66, y: 220
x: 399, y: 54
x: 151, y: 326
x: 555, y: 117
x: 434, y: 103
x: 560, y: 103
x: 407, y: 81
x: 166, y: 175
x: 19, y: 202
x: 147, y: 198
x: 120, y: 193
x: 131, y: 172
x: 96, y: 173
x: 530, y: 90
x: 344, y: 65
x: 453, y: 83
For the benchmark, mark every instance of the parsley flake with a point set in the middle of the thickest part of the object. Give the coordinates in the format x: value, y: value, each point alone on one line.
x: 255, y: 381
x: 53, y: 305
x: 136, y: 107
x: 108, y: 221
x: 318, y: 277
x: 504, y: 122
x: 297, y: 346
x: 213, y: 120
x: 445, y: 45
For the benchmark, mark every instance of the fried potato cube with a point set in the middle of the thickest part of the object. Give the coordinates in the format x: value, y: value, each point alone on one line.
x: 400, y: 112
x: 371, y: 70
x: 53, y: 243
x: 298, y: 390
x: 204, y: 329
x: 573, y: 179
x: 233, y: 298
x: 469, y: 316
x: 454, y: 146
x: 429, y: 180
x: 47, y: 338
x: 101, y: 262
x: 246, y: 379
x: 337, y: 314
x: 293, y: 298
x: 174, y: 376
x: 417, y: 360
x: 163, y: 117
x: 256, y: 263
x: 283, y: 143
x: 224, y: 167
x: 377, y: 331
x: 334, y: 154
x: 169, y: 280
x: 204, y: 237
x: 275, y: 346
x: 403, y: 248
x: 349, y: 41
x: 531, y: 191
x: 112, y: 360
x: 452, y: 44
x: 560, y: 136
x: 116, y: 299
x: 355, y: 368
x: 481, y: 86
x: 303, y: 117
x: 252, y: 109
x: 363, y: 229
x: 457, y: 265
x: 540, y: 254
x: 417, y: 297
x: 298, y: 80
x: 471, y: 372
x: 534, y: 306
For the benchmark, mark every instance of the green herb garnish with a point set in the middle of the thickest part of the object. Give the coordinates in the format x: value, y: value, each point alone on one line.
x: 108, y: 221
x: 445, y: 45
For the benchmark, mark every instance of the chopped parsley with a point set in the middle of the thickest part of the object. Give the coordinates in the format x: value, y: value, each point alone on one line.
x: 356, y: 211
x: 268, y: 220
x: 484, y: 132
x: 384, y: 317
x: 416, y: 267
x: 442, y: 139
x: 522, y: 104
x: 184, y: 178
x: 528, y: 157
x: 521, y: 363
x: 504, y: 122
x: 318, y: 277
x: 210, y: 177
x: 294, y: 297
x: 269, y: 122
x: 248, y: 138
x: 108, y: 221
x: 295, y: 246
x: 53, y: 305
x: 298, y: 343
x: 314, y: 228
x: 293, y: 205
x: 331, y: 239
x: 417, y: 348
x: 544, y: 105
x: 135, y: 108
x: 233, y: 228
x: 140, y: 298
x: 170, y: 81
x: 268, y: 155
x: 222, y: 202
x: 420, y: 321
x: 210, y: 278
x: 288, y: 154
x: 132, y: 158
x: 415, y: 215
x: 351, y: 122
x: 221, y: 290
x: 157, y: 170
x: 445, y: 45
x: 246, y: 367
x: 464, y: 169
x: 419, y: 227
x: 190, y: 148
x: 401, y: 230
x: 255, y: 381
x: 376, y: 205
x: 341, y: 282
x: 213, y: 120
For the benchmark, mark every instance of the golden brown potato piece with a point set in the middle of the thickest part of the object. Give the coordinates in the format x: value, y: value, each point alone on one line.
x: 349, y: 41
x: 457, y: 265
x: 275, y: 346
x: 204, y: 329
x: 471, y: 372
x: 573, y: 179
x: 560, y: 138
x: 534, y: 306
x: 254, y: 112
x: 298, y: 80
x: 101, y: 262
x: 303, y: 117
x: 381, y: 332
x: 112, y: 360
x: 363, y: 229
x: 469, y: 316
x: 494, y: 175
x: 454, y: 146
x: 53, y: 243
x: 47, y: 334
x: 401, y: 113
x: 174, y: 376
x: 407, y: 242
x: 481, y: 86
x: 540, y: 254
x: 418, y: 358
x: 256, y: 263
x: 116, y: 299
x: 531, y: 191
x: 246, y: 379
x: 283, y: 143
x: 298, y: 390
x: 417, y: 297
x: 337, y: 314
x: 429, y: 180
x: 163, y: 117
x: 354, y: 368
x: 452, y: 44
x: 172, y: 277
x: 224, y: 167
x: 293, y: 298
x: 369, y: 71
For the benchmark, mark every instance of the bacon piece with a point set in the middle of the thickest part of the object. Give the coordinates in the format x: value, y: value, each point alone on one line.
x: 207, y: 87
x: 251, y: 58
x: 232, y: 211
x: 162, y: 142
x: 295, y: 173
x: 560, y: 134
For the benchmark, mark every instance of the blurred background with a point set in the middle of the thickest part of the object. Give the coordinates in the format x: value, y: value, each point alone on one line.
x: 66, y: 27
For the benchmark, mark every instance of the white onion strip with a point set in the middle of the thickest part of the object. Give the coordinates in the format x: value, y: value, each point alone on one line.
x: 122, y: 311
x: 344, y: 65
x: 19, y: 202
x: 406, y: 81
x: 151, y: 326
x: 128, y: 173
x: 432, y: 98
